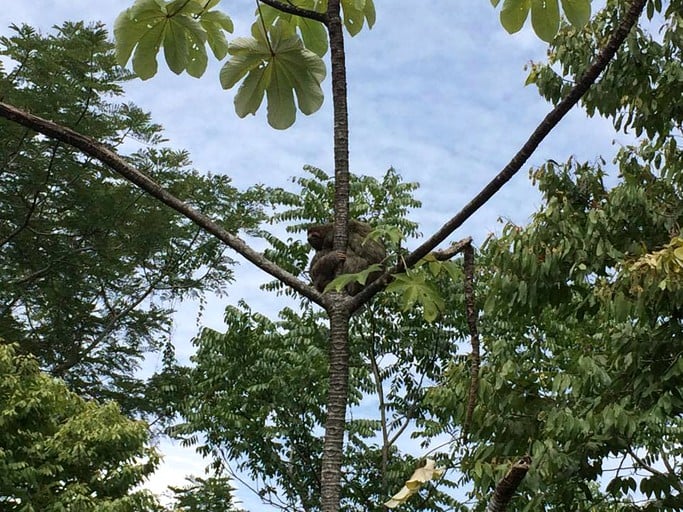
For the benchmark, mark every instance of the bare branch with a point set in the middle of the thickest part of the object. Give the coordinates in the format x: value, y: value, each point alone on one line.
x: 297, y: 11
x: 115, y: 162
x: 455, y: 248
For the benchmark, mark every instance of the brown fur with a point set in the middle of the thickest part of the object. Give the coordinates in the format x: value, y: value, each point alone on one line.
x: 360, y: 254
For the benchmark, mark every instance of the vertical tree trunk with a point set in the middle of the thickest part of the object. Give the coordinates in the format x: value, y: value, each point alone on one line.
x: 341, y: 126
x: 333, y: 447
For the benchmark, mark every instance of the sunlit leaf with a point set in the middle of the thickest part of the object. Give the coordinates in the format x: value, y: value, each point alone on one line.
x: 215, y: 23
x: 578, y: 12
x: 278, y: 65
x: 356, y: 12
x: 148, y: 25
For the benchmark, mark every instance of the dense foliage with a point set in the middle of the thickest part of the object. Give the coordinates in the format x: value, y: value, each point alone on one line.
x: 582, y: 308
x: 60, y: 452
x: 91, y: 267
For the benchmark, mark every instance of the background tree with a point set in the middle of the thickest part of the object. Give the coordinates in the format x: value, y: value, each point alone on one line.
x: 61, y: 452
x: 582, y: 309
x: 92, y: 268
x: 213, y: 494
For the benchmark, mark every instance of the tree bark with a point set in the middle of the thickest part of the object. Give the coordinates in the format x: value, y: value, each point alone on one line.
x: 508, y: 485
x: 335, y: 425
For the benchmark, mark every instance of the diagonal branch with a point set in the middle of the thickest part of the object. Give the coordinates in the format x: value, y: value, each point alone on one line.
x: 115, y: 162
x: 289, y: 8
x: 542, y: 130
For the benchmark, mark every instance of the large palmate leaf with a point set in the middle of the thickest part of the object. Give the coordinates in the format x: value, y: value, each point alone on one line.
x: 313, y: 33
x: 182, y: 27
x: 276, y: 64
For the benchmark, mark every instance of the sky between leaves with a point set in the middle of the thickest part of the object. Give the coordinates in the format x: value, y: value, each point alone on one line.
x: 436, y: 92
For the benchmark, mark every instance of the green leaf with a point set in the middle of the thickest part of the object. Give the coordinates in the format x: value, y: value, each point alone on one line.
x: 678, y: 253
x: 545, y: 18
x: 145, y: 57
x: 175, y: 48
x: 128, y: 32
x: 215, y: 23
x: 314, y: 36
x: 149, y: 24
x: 250, y: 94
x: 578, y: 12
x: 279, y: 66
x: 514, y: 14
x: 413, y: 289
x: 281, y: 109
x: 356, y: 12
x: 247, y: 55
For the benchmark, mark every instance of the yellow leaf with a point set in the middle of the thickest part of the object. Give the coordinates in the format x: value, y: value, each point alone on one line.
x: 413, y: 484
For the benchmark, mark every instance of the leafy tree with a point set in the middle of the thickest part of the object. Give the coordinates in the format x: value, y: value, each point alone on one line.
x: 582, y: 307
x: 92, y: 267
x: 61, y: 452
x: 282, y: 60
x: 256, y: 423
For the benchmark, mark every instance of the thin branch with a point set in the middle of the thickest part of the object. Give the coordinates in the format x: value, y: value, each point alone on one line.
x: 102, y: 153
x: 455, y: 248
x: 377, y: 374
x: 296, y: 11
x: 475, y: 357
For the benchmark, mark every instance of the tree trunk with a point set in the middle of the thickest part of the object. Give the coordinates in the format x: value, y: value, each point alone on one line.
x: 333, y: 447
x: 337, y: 309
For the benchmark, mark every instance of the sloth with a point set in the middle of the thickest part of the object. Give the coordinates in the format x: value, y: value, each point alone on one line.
x: 361, y: 252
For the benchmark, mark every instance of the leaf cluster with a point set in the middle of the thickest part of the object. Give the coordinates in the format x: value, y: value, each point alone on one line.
x: 545, y: 15
x: 636, y: 90
x: 581, y: 326
x: 60, y: 452
x: 281, y: 59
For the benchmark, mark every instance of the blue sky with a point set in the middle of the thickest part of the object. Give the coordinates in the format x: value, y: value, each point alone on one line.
x: 436, y: 91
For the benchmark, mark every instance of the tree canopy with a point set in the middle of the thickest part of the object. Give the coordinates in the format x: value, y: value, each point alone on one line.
x: 541, y: 370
